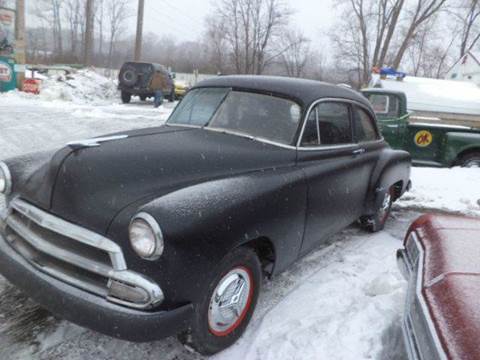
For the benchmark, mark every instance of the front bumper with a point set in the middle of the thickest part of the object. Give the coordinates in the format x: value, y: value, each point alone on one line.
x: 88, y: 310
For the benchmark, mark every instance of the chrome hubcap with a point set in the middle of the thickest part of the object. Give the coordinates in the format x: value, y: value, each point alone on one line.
x: 229, y: 301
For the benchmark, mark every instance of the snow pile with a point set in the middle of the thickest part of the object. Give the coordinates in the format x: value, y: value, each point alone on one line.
x: 341, y: 310
x: 450, y: 190
x: 83, y: 86
x: 79, y: 87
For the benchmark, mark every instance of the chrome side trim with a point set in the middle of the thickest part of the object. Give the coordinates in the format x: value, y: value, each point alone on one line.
x: 298, y: 147
x: 441, y: 126
x: 183, y: 125
x: 254, y: 138
x: 76, y: 232
x: 94, y: 142
x: 8, y: 177
x: 348, y: 101
x: 423, y: 304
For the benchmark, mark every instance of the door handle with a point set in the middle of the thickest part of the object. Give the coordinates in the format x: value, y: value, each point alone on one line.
x: 359, y: 152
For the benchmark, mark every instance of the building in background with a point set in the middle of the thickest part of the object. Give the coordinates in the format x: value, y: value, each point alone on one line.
x: 466, y: 69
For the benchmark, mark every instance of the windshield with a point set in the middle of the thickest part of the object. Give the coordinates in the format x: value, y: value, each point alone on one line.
x: 263, y: 116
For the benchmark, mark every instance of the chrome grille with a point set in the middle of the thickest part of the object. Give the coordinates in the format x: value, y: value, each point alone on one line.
x: 76, y: 256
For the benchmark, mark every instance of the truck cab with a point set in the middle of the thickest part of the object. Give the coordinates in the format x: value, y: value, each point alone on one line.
x: 429, y: 140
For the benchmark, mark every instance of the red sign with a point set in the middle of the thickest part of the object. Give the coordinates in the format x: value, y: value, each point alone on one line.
x: 31, y: 86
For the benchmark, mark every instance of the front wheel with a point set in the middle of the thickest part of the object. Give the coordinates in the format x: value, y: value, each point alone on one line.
x: 375, y: 223
x: 227, y: 305
x: 471, y: 160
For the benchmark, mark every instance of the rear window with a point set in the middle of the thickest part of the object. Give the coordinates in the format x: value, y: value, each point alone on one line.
x: 386, y: 106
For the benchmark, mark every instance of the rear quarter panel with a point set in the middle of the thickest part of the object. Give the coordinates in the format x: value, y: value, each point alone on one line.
x: 393, y: 166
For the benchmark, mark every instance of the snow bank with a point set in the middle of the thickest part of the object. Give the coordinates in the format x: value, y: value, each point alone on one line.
x: 341, y: 311
x: 451, y: 190
x: 84, y: 86
x: 80, y: 87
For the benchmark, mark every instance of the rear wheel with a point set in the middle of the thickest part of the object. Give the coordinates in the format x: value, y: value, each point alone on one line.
x: 126, y: 97
x: 375, y: 223
x: 471, y: 160
x: 227, y: 305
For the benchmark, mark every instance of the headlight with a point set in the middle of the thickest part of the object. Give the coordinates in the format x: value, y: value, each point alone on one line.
x: 5, y: 179
x: 146, y: 237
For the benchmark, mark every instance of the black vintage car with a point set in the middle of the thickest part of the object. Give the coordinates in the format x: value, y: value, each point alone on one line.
x: 170, y: 230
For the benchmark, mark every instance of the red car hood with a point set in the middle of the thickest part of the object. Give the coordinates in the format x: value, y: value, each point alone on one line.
x: 451, y: 284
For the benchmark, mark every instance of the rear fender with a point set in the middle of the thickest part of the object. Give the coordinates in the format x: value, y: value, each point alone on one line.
x: 392, y: 167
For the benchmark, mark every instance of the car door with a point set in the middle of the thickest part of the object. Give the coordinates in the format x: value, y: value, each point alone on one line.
x: 329, y: 157
x: 367, y: 136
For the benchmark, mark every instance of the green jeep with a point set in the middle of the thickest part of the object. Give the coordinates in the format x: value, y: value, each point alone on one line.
x: 430, y: 142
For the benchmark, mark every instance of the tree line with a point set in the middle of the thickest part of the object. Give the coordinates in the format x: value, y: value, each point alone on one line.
x: 421, y: 37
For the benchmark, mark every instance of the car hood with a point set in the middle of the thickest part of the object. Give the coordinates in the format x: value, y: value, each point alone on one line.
x: 89, y: 186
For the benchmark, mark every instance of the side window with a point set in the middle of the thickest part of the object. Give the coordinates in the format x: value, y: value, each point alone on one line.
x: 365, y: 129
x: 328, y: 124
x: 311, y: 136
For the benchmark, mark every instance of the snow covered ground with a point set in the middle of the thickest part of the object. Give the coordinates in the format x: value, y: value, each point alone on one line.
x: 343, y: 301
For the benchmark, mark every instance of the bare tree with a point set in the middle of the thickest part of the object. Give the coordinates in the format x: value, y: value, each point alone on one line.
x: 50, y: 12
x: 297, y: 53
x: 217, y: 44
x: 118, y: 13
x: 379, y: 32
x: 467, y: 16
x: 421, y: 13
x: 74, y: 14
x: 250, y: 28
x: 430, y: 52
x: 100, y: 15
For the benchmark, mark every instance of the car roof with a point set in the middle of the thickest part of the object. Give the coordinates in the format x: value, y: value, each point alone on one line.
x: 302, y: 90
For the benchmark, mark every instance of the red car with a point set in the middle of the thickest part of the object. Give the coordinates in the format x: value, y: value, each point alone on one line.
x: 441, y: 261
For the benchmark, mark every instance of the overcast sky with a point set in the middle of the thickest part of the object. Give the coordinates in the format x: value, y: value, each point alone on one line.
x: 186, y: 18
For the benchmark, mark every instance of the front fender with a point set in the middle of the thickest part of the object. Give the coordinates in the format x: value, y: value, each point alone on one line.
x: 393, y: 166
x: 26, y: 167
x: 458, y: 143
x: 204, y: 222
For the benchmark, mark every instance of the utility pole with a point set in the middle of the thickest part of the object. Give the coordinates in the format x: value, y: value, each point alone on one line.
x: 139, y: 40
x: 20, y: 43
x: 87, y: 54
